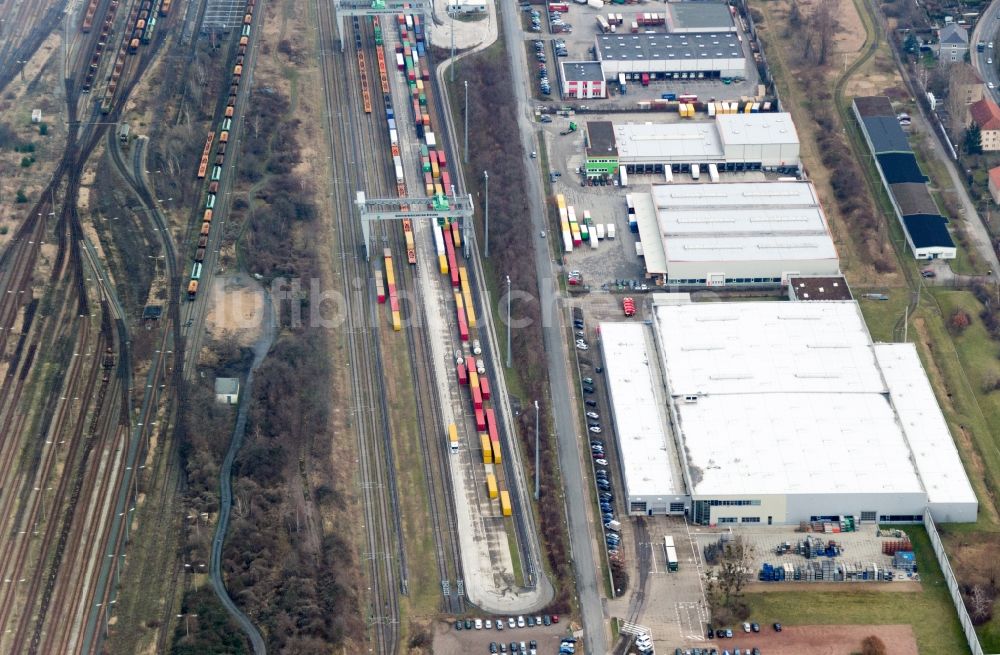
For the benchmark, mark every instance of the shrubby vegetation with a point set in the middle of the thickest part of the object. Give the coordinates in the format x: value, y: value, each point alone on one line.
x: 496, y: 148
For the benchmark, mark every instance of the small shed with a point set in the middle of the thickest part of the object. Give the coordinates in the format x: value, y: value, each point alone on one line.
x: 227, y: 390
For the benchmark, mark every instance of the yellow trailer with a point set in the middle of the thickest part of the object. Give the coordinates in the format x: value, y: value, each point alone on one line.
x: 453, y: 437
x: 496, y: 452
x: 505, y: 503
x: 484, y: 441
x: 491, y: 484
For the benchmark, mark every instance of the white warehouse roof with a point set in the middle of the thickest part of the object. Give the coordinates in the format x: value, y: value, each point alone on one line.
x: 757, y: 129
x: 648, y: 457
x: 752, y: 248
x: 949, y: 493
x: 694, y: 141
x: 791, y: 399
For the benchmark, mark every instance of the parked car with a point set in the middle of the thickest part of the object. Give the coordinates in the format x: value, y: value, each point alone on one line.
x: 595, y: 429
x: 493, y: 647
x: 520, y: 622
x: 755, y: 627
x: 468, y: 624
x: 479, y: 624
x: 458, y: 624
x: 488, y: 624
x: 510, y: 622
x: 746, y: 627
x: 593, y: 415
x: 777, y: 627
x: 601, y: 462
x: 590, y: 403
x: 582, y: 346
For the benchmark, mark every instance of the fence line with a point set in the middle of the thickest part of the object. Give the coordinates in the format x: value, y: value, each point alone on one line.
x: 949, y: 578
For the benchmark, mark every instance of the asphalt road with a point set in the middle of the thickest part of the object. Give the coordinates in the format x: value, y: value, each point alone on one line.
x: 563, y: 402
x: 987, y: 30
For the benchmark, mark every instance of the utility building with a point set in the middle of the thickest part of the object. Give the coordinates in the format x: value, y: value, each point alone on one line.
x: 583, y: 79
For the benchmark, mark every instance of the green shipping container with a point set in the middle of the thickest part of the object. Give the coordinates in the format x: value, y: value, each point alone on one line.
x: 423, y: 99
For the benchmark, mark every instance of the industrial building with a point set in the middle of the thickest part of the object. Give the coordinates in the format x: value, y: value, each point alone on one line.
x: 925, y: 228
x: 734, y: 234
x: 668, y: 56
x: 685, y: 17
x: 583, y: 79
x: 732, y: 142
x: 466, y: 7
x: 650, y: 469
x: 780, y: 412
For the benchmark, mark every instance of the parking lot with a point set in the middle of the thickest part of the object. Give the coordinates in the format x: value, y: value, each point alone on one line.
x: 449, y: 641
x: 579, y: 46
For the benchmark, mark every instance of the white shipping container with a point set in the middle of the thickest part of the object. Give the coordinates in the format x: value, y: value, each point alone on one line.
x: 438, y: 240
x: 593, y: 242
x: 596, y: 4
x: 695, y: 171
x: 668, y: 173
x: 713, y: 172
x: 409, y: 21
x: 624, y: 175
x: 711, y: 109
x: 399, y: 173
x: 567, y: 241
x: 431, y: 141
x: 400, y: 62
x: 638, y: 249
x: 599, y: 230
x: 611, y: 230
x: 393, y: 137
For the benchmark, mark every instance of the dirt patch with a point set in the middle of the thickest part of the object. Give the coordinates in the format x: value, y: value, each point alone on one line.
x: 825, y: 639
x: 973, y: 557
x: 237, y: 309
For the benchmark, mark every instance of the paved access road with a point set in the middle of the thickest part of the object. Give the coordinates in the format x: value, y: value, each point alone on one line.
x: 563, y: 402
x: 987, y: 30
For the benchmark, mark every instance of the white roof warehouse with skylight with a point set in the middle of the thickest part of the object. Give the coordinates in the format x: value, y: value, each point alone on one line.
x: 650, y: 469
x: 740, y: 233
x: 785, y: 412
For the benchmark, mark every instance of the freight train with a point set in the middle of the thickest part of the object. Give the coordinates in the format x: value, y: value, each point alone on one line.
x: 225, y: 125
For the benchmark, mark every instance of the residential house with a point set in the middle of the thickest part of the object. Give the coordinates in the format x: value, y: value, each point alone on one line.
x: 953, y: 43
x: 986, y: 115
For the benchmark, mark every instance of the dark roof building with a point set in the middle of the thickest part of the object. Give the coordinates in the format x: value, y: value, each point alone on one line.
x: 699, y: 17
x: 927, y: 231
x: 913, y: 198
x: 885, y: 134
x: 601, y: 139
x: 900, y: 167
x: 583, y: 71
x: 873, y: 106
x: 818, y: 288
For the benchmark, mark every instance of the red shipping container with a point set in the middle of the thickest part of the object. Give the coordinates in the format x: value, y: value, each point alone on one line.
x: 491, y: 425
x: 470, y: 362
x: 484, y: 385
x: 477, y: 398
x: 426, y: 71
x: 428, y: 179
x: 434, y: 155
x: 445, y: 180
x: 480, y: 420
x: 463, y: 328
x: 442, y: 161
x: 463, y: 376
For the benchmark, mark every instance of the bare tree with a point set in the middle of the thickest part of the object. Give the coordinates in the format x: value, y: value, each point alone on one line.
x: 980, y: 604
x: 824, y: 23
x: 961, y: 77
x: 873, y: 645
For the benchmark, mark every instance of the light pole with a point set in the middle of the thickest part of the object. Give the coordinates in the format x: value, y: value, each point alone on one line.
x: 537, y: 467
x: 187, y: 623
x: 508, y: 322
x: 466, y: 160
x: 486, y: 175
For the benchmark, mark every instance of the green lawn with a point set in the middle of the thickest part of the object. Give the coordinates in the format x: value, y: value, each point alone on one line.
x: 882, y: 316
x: 930, y: 612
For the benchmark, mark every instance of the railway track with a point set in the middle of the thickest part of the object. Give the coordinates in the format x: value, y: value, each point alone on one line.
x: 56, y: 569
x: 351, y: 168
x: 430, y: 427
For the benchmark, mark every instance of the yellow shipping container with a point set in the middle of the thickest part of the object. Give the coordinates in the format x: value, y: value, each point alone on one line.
x: 505, y: 503
x: 470, y: 311
x: 561, y: 201
x: 491, y: 485
x: 473, y: 379
x: 484, y: 441
x: 495, y: 445
x: 453, y: 437
x: 397, y: 325
x: 443, y: 264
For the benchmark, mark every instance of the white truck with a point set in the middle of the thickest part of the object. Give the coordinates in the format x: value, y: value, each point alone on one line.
x: 611, y: 230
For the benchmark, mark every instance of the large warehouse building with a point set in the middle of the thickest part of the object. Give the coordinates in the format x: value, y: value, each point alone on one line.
x: 784, y: 412
x: 731, y: 142
x: 743, y: 233
x: 663, y: 56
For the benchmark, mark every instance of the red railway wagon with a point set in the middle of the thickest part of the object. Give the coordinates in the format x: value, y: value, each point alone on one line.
x: 449, y: 246
x: 477, y: 398
x: 480, y: 420
x: 446, y: 182
x: 463, y: 326
x: 463, y: 374
x: 491, y: 425
x: 442, y: 160
x: 484, y: 386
